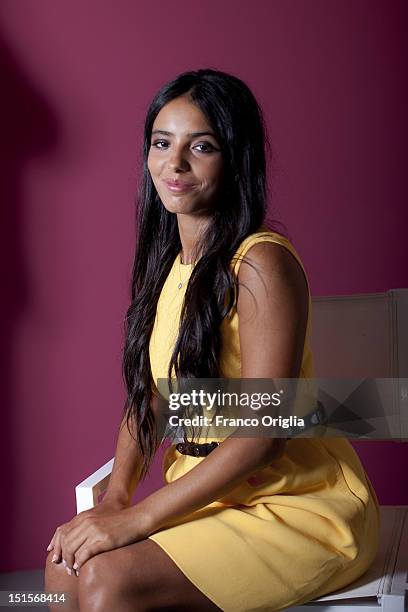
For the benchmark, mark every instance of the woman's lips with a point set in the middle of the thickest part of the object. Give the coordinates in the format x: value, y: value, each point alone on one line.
x: 178, y: 187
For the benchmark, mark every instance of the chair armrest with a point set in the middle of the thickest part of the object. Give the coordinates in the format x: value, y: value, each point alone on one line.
x: 88, y: 491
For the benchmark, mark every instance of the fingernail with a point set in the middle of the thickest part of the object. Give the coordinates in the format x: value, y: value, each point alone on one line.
x: 77, y: 572
x: 54, y: 558
x: 64, y: 563
x: 50, y: 547
x: 75, y: 566
x: 69, y: 571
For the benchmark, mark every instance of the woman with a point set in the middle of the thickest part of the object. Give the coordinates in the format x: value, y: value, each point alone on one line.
x: 253, y: 523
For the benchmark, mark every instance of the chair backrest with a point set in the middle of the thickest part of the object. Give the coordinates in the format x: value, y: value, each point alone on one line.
x: 365, y: 336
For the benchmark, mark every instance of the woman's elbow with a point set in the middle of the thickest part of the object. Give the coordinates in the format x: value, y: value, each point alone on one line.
x: 274, y: 449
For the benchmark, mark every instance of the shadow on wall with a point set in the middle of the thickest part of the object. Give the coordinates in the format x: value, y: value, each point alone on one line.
x: 29, y: 128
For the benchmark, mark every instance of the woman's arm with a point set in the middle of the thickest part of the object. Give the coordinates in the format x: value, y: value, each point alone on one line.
x: 117, y: 500
x: 272, y: 332
x: 272, y: 308
x: 127, y: 465
x: 215, y: 476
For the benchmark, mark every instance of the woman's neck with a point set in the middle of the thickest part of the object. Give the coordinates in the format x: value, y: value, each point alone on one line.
x: 190, y: 228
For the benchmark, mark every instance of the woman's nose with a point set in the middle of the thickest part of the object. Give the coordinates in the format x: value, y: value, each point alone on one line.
x: 177, y: 159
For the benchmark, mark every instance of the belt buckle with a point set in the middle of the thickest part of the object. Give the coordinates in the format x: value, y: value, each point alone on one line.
x: 196, y: 450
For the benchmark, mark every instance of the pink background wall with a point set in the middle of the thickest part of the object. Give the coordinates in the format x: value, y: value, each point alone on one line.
x: 76, y: 81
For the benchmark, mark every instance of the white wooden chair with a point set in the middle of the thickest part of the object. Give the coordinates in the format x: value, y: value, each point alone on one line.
x: 369, y: 333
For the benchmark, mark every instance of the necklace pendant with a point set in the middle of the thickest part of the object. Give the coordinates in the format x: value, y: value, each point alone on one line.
x: 179, y: 286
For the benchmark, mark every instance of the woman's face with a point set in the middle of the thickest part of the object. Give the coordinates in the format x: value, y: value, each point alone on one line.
x: 184, y: 159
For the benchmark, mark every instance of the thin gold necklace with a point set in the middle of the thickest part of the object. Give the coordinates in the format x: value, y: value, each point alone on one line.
x: 181, y: 283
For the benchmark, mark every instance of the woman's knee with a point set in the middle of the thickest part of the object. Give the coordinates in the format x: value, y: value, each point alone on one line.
x: 56, y: 580
x: 94, y: 572
x: 103, y: 585
x: 99, y: 586
x: 54, y: 574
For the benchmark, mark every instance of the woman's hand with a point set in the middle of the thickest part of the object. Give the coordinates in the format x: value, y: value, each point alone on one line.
x: 107, y: 526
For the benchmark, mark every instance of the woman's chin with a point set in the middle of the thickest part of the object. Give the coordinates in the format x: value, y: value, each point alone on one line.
x: 185, y: 206
x: 178, y: 205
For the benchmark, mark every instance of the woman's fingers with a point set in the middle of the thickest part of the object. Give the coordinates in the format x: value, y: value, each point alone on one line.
x: 51, y: 544
x: 67, y: 539
x: 94, y: 536
x: 70, y: 542
x: 60, y: 534
x: 56, y: 558
x: 55, y: 543
x: 87, y: 551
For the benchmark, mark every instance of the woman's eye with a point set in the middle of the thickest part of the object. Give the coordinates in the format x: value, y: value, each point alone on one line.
x: 207, y: 147
x: 158, y: 142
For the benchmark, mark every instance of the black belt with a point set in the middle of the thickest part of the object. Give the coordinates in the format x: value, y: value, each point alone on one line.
x: 315, y: 417
x: 196, y: 450
x: 312, y: 419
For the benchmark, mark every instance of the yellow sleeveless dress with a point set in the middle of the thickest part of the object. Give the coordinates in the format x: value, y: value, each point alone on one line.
x: 306, y: 525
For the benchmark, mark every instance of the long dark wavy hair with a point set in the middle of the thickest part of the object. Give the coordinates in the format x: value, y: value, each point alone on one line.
x: 236, y: 118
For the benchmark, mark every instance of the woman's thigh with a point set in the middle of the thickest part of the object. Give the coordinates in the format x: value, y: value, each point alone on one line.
x: 140, y: 576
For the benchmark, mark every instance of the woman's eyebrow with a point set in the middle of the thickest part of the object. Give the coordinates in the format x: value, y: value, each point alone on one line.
x: 192, y: 134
